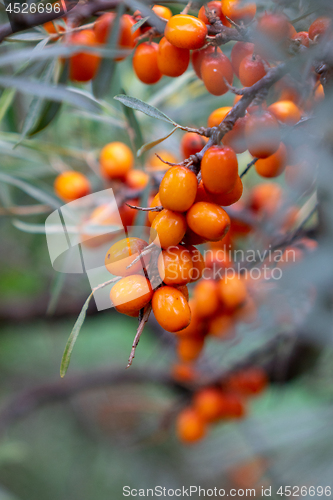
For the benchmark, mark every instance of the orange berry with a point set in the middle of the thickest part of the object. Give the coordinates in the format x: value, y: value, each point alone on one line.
x: 71, y: 185
x: 155, y: 163
x: 199, y: 55
x: 238, y: 52
x: 221, y: 326
x: 232, y: 290
x: 172, y: 61
x: 162, y: 11
x: 248, y: 382
x: 122, y: 253
x: 219, y: 169
x: 206, y: 298
x: 183, y: 372
x: 53, y: 28
x: 232, y: 197
x: 184, y: 290
x: 274, y: 26
x: 251, y: 70
x: 208, y: 220
x: 262, y: 134
x: 195, y: 327
x: 238, y: 11
x: 175, y: 265
x: 215, y: 69
x: 136, y: 179
x: 83, y: 66
x: 156, y: 202
x: 202, y: 194
x: 216, y: 9
x: 303, y: 37
x: 190, y: 348
x: 145, y: 63
x: 286, y: 112
x: 207, y: 403
x: 232, y: 406
x: 186, y: 32
x: 103, y: 215
x: 178, y: 189
x: 170, y: 228
x: 320, y: 27
x: 273, y: 165
x: 217, y: 116
x: 189, y: 426
x: 126, y: 38
x: 131, y: 294
x: 266, y: 198
x: 171, y: 309
x: 116, y: 160
x: 128, y: 214
x: 191, y: 144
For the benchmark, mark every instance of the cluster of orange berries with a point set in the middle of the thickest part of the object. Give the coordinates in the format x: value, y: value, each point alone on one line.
x: 222, y: 402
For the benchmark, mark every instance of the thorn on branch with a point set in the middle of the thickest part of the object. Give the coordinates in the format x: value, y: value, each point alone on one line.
x: 145, y: 316
x: 253, y: 162
x: 146, y: 209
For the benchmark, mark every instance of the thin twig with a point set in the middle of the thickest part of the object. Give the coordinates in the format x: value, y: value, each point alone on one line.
x: 139, y: 333
x: 253, y: 162
x: 147, y: 209
x: 146, y: 251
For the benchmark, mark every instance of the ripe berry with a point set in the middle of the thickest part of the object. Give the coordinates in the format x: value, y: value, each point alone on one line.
x: 248, y: 382
x: 131, y: 294
x: 53, y: 28
x: 232, y: 406
x: 122, y: 253
x: 286, y: 112
x: 145, y: 63
x: 222, y: 326
x: 208, y: 220
x: 175, y: 265
x: 229, y: 198
x: 266, y: 198
x: 320, y: 27
x: 190, y: 348
x: 178, y: 189
x: 206, y: 298
x: 116, y: 160
x: 162, y: 11
x: 186, y: 32
x: 137, y: 179
x: 103, y: 215
x: 191, y: 144
x: 156, y: 202
x: 170, y: 228
x: 262, y: 134
x: 239, y: 11
x: 216, y: 9
x: 219, y: 169
x: 238, y: 52
x: 199, y: 55
x: 83, y: 66
x: 251, y: 70
x: 183, y: 372
x: 215, y: 68
x: 171, y: 309
x: 274, y: 165
x: 126, y: 38
x: 154, y: 163
x: 273, y: 26
x: 232, y: 291
x: 207, y: 403
x: 172, y: 61
x: 195, y: 329
x: 217, y: 116
x: 190, y: 427
x: 303, y: 37
x: 71, y: 185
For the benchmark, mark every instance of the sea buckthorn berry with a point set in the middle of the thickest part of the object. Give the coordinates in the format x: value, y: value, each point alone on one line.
x: 155, y: 203
x: 171, y: 60
x: 191, y: 238
x: 195, y: 329
x: 154, y: 163
x: 116, y: 160
x: 239, y: 11
x: 126, y: 38
x: 207, y: 403
x: 248, y: 382
x: 251, y: 70
x: 274, y: 165
x: 320, y: 27
x: 54, y: 28
x: 162, y: 11
x: 208, y: 220
x: 175, y: 265
x: 171, y: 309
x: 216, y: 9
x: 215, y: 69
x: 192, y: 143
x: 186, y: 32
x: 232, y: 197
x: 127, y: 213
x: 178, y: 189
x: 184, y: 290
x: 232, y: 406
x: 170, y: 228
x: 262, y: 134
x: 145, y: 63
x: 198, y: 263
x: 103, y: 215
x: 198, y: 56
x: 190, y: 348
x: 235, y: 138
x: 183, y: 372
x: 286, y: 112
x: 190, y: 427
x: 131, y: 294
x: 303, y: 37
x: 274, y: 26
x: 83, y: 66
x: 232, y: 290
x: 137, y: 179
x: 206, y: 298
x: 202, y: 194
x: 222, y: 326
x: 219, y: 169
x: 122, y: 254
x: 265, y: 198
x: 71, y: 185
x: 217, y: 116
x: 238, y: 52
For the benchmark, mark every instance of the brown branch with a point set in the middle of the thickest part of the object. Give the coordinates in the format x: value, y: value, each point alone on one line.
x: 141, y: 326
x: 147, y: 209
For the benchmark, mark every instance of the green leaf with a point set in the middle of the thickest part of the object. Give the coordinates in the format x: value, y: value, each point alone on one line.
x: 138, y: 25
x: 133, y: 125
x: 102, y: 81
x: 27, y: 37
x: 147, y: 109
x: 34, y: 192
x: 73, y: 337
x: 149, y: 145
x: 6, y: 100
